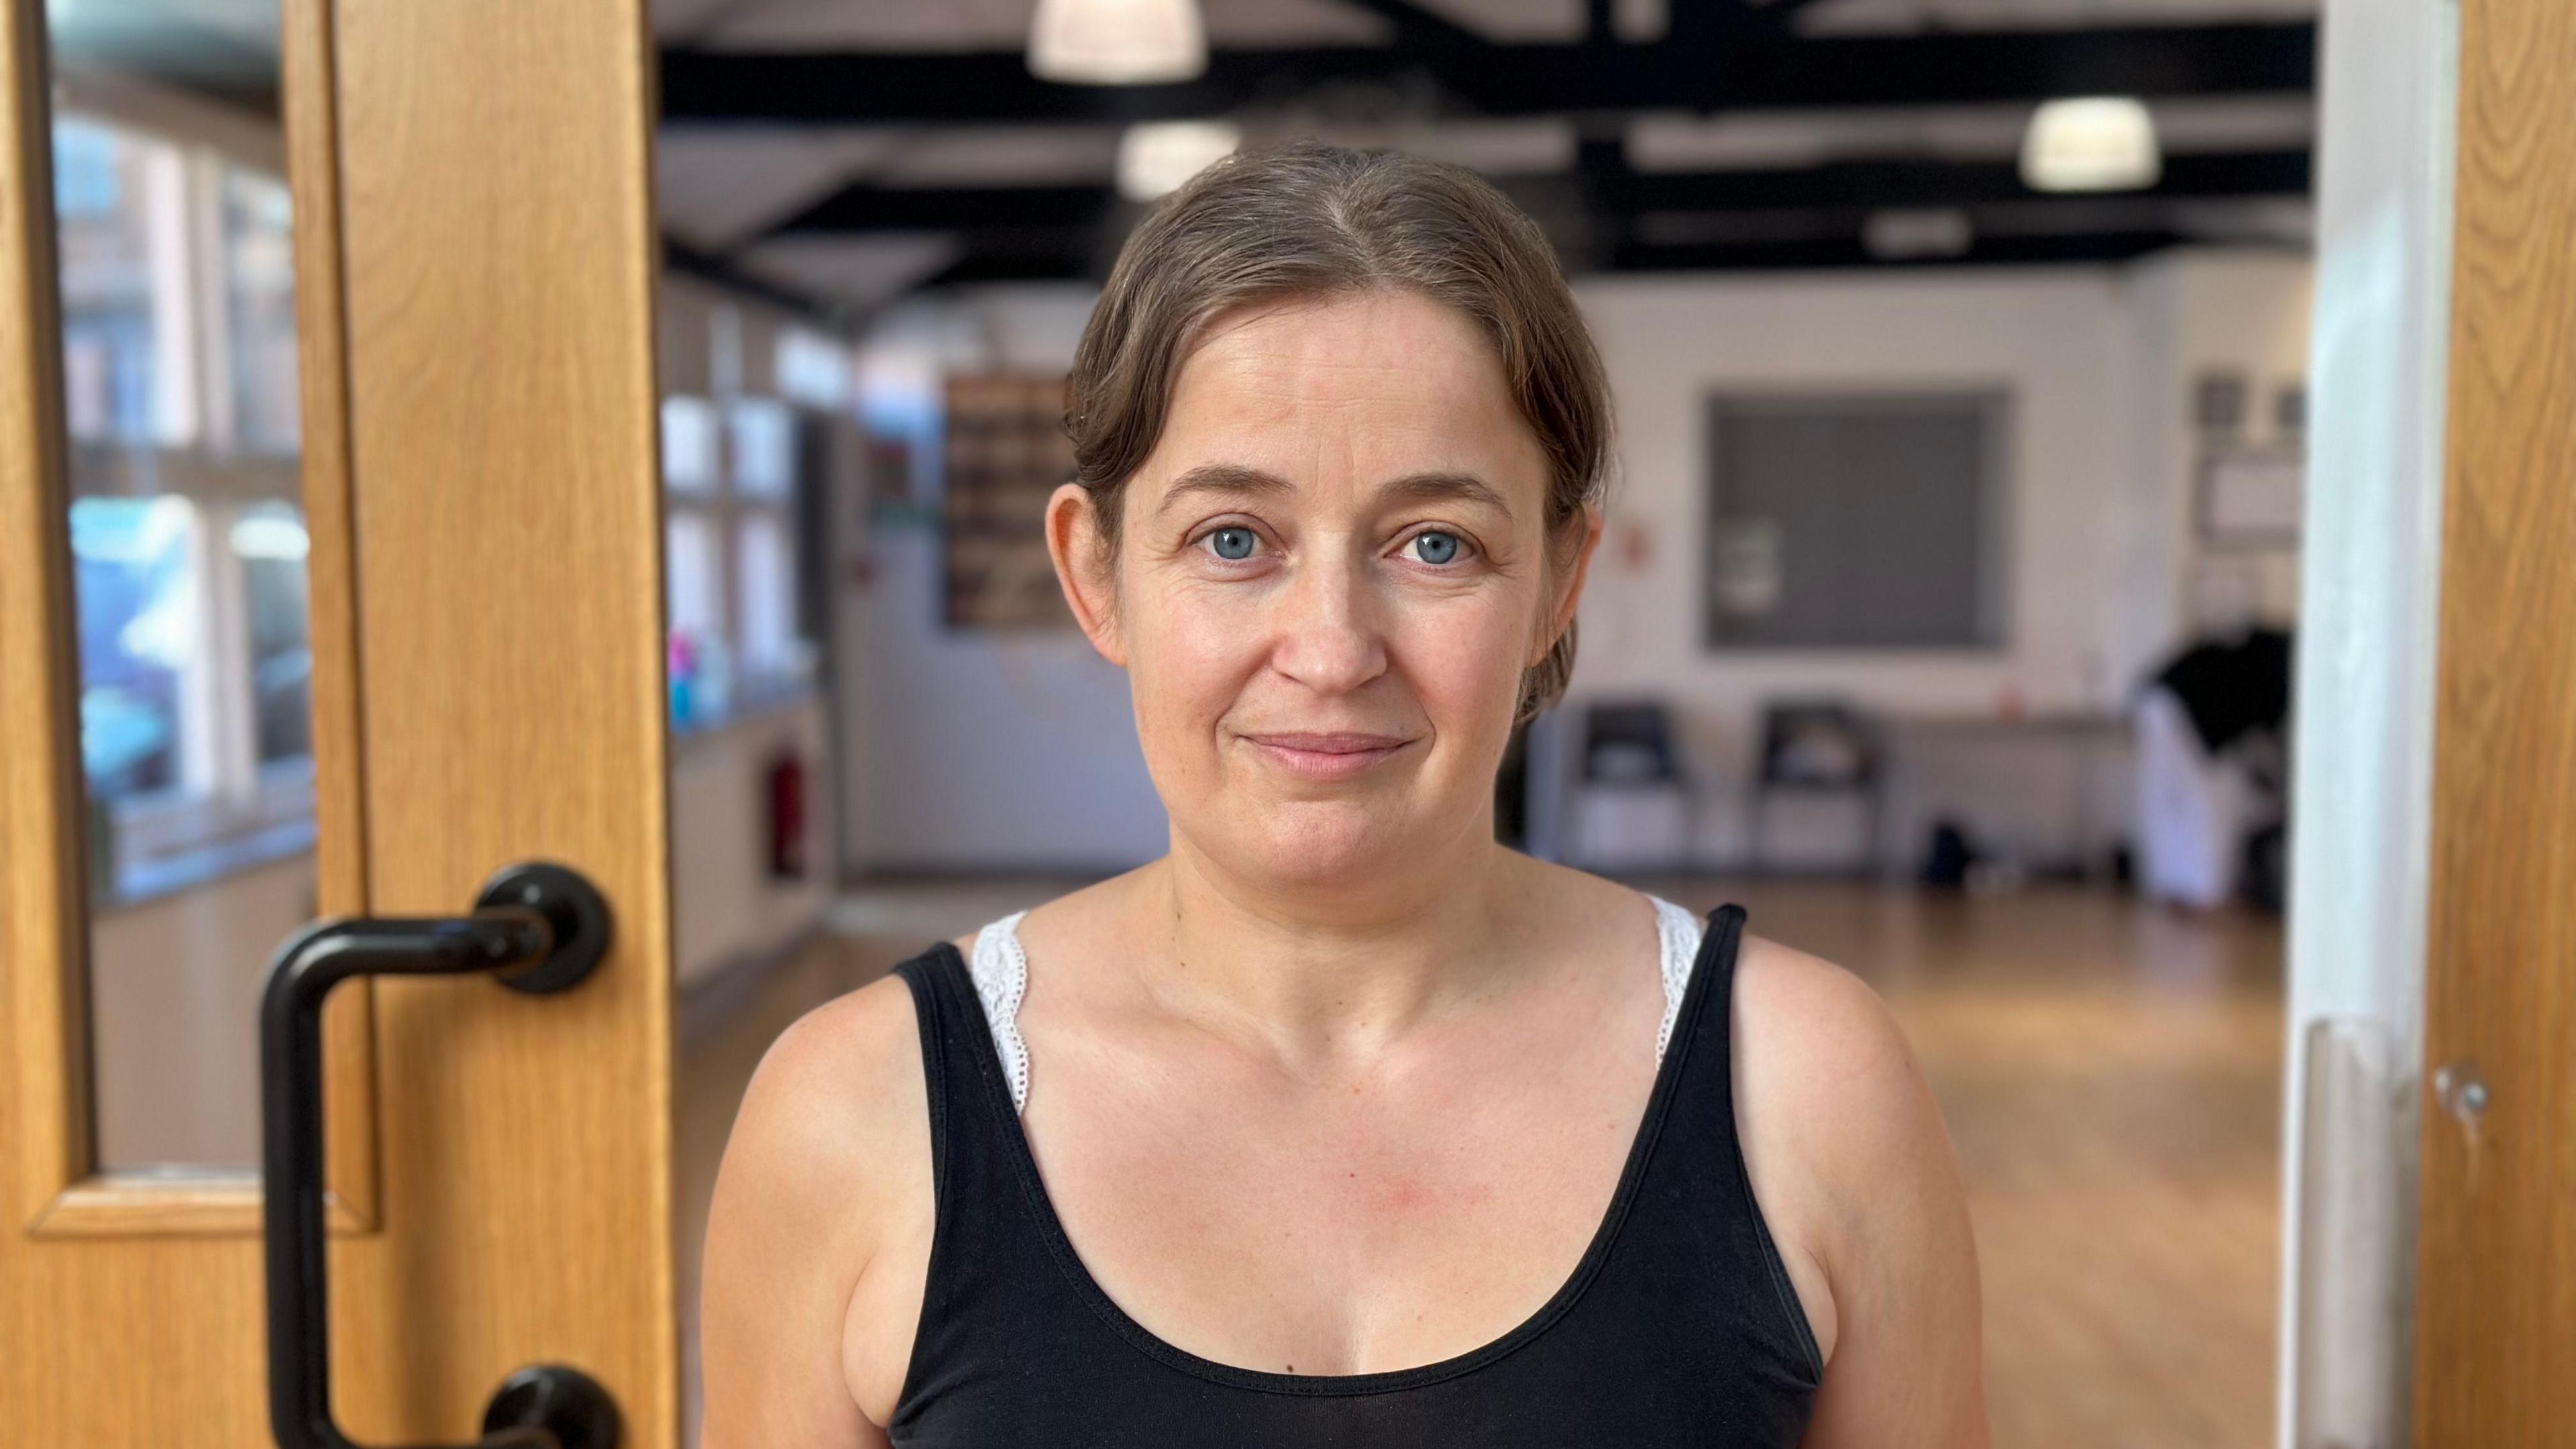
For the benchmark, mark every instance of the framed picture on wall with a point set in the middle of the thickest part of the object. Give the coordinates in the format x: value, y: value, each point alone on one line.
x: 1005, y: 452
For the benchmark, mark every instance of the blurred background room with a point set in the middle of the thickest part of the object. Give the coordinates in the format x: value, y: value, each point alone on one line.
x: 1944, y: 616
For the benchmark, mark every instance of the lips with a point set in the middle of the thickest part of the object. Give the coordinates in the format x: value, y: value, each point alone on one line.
x: 1340, y: 755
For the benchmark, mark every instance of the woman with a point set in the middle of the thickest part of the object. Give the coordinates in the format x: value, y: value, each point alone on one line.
x: 1340, y: 1124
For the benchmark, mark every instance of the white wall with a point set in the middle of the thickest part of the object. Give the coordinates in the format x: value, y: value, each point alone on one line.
x: 2196, y: 313
x: 976, y: 749
x: 2055, y: 341
x: 984, y: 750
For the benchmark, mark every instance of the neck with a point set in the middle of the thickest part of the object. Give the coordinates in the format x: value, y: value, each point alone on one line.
x: 1315, y: 974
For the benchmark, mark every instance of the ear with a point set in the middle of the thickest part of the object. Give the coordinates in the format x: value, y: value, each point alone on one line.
x: 1089, y: 578
x: 1568, y: 582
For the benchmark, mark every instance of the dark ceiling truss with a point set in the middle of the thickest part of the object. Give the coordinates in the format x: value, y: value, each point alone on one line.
x: 1608, y: 218
x: 1697, y: 66
x: 1842, y: 252
x: 1854, y: 185
x: 1715, y: 56
x: 1002, y: 263
x: 822, y: 312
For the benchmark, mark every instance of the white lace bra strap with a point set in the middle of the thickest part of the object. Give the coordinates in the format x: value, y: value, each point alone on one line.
x: 1001, y: 973
x: 1681, y: 933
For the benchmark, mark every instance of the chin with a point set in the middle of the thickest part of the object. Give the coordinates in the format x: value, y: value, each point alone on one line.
x: 1321, y: 844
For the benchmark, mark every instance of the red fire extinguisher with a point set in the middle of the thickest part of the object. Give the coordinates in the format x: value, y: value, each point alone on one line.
x: 787, y: 815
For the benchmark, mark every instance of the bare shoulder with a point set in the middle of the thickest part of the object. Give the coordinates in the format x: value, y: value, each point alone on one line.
x: 1812, y: 1037
x: 1854, y: 1172
x: 1831, y: 1104
x: 837, y: 1089
x: 828, y: 1166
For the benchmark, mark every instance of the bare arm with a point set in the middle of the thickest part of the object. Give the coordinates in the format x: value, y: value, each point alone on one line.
x: 1855, y: 1170
x: 831, y: 1141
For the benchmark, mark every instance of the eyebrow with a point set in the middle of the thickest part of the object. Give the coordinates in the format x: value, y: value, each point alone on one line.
x: 1228, y: 479
x: 1236, y: 480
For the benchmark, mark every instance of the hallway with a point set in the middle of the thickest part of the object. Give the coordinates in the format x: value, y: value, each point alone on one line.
x: 2111, y: 1073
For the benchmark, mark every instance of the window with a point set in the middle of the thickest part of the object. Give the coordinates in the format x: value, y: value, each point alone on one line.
x: 735, y: 471
x: 767, y: 574
x: 188, y: 545
x: 259, y: 312
x: 688, y: 445
x: 1856, y: 522
x: 268, y: 546
x: 763, y: 434
x: 121, y: 203
x: 700, y: 672
x: 813, y: 369
x: 139, y: 593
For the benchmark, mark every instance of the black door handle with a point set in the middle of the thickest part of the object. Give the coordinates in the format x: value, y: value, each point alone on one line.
x: 537, y: 928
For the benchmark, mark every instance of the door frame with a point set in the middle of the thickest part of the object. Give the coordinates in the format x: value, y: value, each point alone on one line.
x: 2494, y: 1310
x: 477, y: 265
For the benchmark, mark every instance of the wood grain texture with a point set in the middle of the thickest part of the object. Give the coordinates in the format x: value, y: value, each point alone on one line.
x: 46, y: 921
x: 487, y: 531
x: 217, y: 1205
x: 109, y: 1340
x: 499, y: 254
x: 339, y: 765
x: 2496, y: 1265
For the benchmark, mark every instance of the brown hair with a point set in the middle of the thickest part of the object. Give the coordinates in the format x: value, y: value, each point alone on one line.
x: 1308, y: 220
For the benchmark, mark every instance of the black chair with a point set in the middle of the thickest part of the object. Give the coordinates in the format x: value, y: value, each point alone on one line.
x: 1631, y: 744
x: 1821, y: 747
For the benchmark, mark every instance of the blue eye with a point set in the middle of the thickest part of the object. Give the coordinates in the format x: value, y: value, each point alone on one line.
x: 1435, y: 548
x: 1232, y: 544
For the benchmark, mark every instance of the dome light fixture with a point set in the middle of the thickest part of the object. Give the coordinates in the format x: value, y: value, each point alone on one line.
x: 1156, y: 157
x: 2091, y: 143
x: 1117, y: 42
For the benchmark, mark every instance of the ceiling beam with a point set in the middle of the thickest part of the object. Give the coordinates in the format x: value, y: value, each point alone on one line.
x: 999, y: 211
x: 1792, y: 254
x: 2020, y: 250
x: 1420, y: 29
x: 1743, y: 69
x: 823, y: 313
x: 1909, y: 183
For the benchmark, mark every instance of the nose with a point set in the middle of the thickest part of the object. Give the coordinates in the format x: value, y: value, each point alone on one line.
x: 1329, y: 636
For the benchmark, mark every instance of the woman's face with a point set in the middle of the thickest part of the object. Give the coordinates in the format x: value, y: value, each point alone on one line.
x: 1333, y: 570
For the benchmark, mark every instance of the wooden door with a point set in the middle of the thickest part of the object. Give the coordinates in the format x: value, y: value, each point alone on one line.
x: 2496, y: 1266
x: 475, y: 259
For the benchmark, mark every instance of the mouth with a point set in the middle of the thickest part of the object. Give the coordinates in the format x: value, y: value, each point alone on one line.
x: 1339, y: 756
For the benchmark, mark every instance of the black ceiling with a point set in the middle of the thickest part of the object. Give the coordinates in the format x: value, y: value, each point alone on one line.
x: 1716, y: 57
x: 1693, y: 68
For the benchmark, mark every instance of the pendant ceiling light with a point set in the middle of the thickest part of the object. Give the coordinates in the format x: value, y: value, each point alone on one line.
x: 2091, y: 143
x: 1155, y: 157
x: 1117, y: 42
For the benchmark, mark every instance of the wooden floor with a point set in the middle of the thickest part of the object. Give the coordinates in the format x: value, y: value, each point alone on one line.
x: 2111, y: 1072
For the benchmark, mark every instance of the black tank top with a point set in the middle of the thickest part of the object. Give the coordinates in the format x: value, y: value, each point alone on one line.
x: 1679, y: 1327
